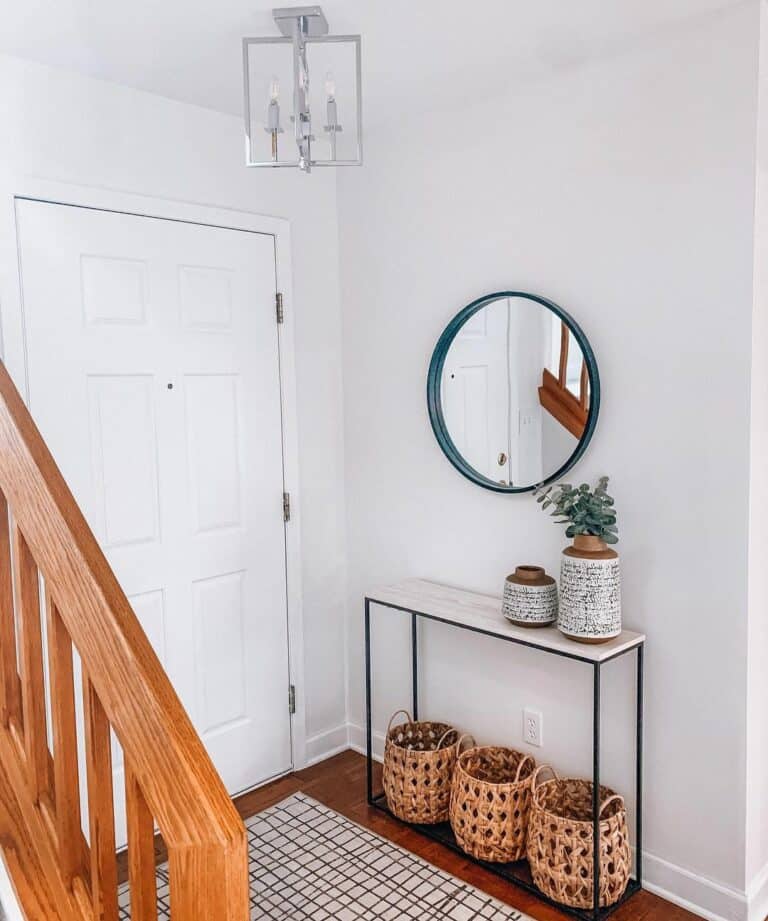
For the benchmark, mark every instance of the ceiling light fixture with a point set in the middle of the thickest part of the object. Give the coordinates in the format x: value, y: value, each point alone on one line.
x: 270, y: 64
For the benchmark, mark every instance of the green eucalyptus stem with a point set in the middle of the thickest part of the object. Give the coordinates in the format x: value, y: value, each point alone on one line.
x: 583, y: 510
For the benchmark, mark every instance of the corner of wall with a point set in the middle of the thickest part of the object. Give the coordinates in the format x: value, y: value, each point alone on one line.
x: 326, y: 744
x: 697, y: 894
x: 757, y: 896
x: 756, y: 799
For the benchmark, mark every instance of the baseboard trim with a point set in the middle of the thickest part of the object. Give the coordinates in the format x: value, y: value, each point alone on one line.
x: 757, y: 896
x: 693, y: 907
x: 327, y: 744
x: 698, y: 894
x: 357, y: 742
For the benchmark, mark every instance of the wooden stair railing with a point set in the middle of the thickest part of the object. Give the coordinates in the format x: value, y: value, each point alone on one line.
x: 169, y: 778
x: 570, y: 410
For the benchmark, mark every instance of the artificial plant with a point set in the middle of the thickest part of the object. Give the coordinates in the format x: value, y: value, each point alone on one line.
x: 584, y: 510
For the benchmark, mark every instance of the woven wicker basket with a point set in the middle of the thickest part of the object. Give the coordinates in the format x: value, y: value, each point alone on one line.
x: 419, y: 758
x: 490, y: 802
x: 560, y: 842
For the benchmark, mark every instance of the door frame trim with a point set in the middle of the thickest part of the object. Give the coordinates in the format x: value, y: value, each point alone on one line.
x: 14, y: 354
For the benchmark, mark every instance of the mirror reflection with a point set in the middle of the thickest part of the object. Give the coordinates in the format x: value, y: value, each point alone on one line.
x: 515, y: 392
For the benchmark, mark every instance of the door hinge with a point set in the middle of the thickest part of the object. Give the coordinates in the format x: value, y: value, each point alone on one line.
x: 279, y: 307
x: 286, y: 506
x: 291, y: 699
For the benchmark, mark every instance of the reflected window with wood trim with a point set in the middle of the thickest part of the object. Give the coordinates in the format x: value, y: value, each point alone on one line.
x: 564, y: 390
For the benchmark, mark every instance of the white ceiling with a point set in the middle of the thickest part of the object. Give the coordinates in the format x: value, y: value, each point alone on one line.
x: 415, y: 52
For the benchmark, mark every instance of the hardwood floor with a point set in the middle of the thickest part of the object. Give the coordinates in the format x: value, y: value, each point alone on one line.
x: 340, y: 784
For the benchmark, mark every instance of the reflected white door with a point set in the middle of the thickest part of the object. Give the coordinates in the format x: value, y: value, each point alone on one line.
x: 154, y: 377
x: 476, y: 392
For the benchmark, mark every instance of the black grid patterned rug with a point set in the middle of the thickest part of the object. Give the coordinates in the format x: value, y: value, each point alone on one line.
x: 308, y: 863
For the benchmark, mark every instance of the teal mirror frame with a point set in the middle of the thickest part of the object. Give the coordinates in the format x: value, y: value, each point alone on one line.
x: 434, y: 401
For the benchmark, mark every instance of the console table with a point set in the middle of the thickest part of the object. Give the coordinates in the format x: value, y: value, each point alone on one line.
x: 477, y: 613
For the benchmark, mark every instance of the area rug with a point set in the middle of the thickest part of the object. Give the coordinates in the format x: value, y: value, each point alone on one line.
x: 308, y: 863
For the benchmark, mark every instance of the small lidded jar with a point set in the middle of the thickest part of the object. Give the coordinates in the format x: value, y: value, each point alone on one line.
x: 530, y: 597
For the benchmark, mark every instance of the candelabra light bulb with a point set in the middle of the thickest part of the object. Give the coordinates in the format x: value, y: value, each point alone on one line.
x: 274, y: 89
x: 330, y: 86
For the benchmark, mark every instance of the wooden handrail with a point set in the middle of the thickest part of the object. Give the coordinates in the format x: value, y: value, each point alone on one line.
x: 169, y: 776
x: 570, y: 410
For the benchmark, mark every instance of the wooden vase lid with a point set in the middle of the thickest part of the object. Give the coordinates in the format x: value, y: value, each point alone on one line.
x: 530, y: 575
x: 590, y: 547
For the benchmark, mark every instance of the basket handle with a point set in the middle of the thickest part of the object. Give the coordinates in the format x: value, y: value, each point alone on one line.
x: 539, y: 769
x: 443, y: 737
x: 609, y: 801
x: 389, y: 724
x: 466, y: 735
x: 520, y: 766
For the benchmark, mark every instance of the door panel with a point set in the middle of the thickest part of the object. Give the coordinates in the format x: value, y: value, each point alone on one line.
x: 218, y: 607
x: 121, y: 411
x: 214, y: 449
x: 154, y: 377
x: 475, y: 393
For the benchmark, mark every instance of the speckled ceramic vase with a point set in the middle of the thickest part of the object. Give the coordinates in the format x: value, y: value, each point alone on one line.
x: 590, y: 591
x: 530, y: 597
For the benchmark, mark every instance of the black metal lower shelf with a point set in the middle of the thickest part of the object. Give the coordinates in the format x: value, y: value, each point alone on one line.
x: 517, y: 873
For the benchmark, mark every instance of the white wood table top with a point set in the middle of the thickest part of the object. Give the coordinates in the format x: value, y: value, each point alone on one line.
x: 483, y: 613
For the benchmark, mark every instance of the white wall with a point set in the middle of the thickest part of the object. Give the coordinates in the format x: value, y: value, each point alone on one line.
x: 557, y: 442
x: 623, y: 191
x: 73, y: 129
x: 757, y: 699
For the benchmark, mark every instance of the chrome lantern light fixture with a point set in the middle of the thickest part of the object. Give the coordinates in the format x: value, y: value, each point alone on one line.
x: 291, y: 120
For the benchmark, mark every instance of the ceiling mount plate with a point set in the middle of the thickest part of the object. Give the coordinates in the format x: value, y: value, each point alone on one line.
x: 313, y: 16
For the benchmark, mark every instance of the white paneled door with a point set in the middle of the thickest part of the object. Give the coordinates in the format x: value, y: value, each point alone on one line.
x: 153, y: 368
x: 476, y: 392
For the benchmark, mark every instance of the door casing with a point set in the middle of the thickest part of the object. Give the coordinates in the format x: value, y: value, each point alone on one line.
x: 13, y: 351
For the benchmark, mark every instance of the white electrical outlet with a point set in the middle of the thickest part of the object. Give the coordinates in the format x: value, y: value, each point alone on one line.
x: 533, y: 727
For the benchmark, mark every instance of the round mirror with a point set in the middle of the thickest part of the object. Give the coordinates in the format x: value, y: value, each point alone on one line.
x: 513, y: 391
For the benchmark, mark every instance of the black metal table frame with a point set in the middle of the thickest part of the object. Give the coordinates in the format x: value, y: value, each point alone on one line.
x: 379, y: 800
